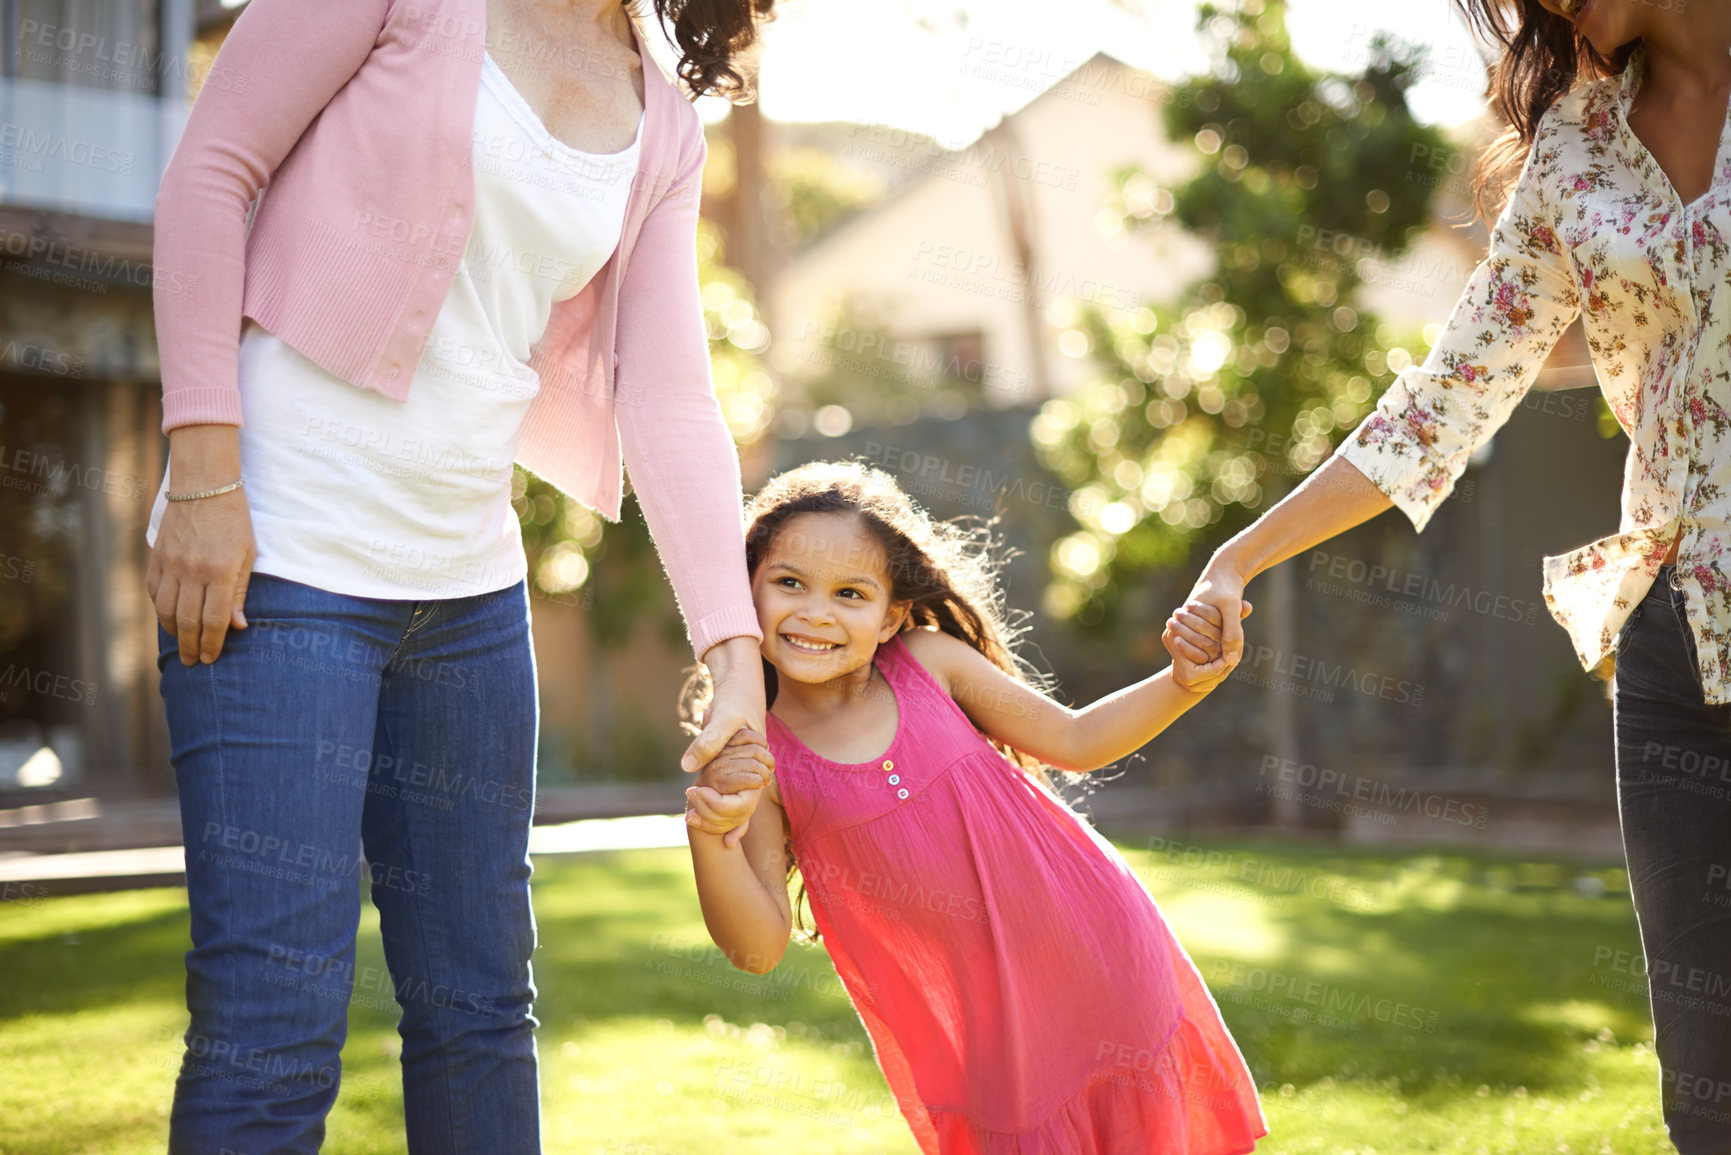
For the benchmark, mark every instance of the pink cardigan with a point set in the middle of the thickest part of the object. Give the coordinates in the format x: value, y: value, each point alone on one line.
x: 357, y: 114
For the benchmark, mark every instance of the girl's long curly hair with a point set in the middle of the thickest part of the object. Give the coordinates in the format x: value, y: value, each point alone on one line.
x: 946, y: 570
x: 1541, y: 58
x: 713, y: 36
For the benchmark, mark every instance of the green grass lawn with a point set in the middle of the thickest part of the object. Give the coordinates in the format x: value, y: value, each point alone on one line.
x: 1385, y: 1003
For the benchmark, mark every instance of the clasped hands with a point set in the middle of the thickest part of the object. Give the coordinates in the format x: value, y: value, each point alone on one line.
x: 729, y: 786
x: 1204, y: 635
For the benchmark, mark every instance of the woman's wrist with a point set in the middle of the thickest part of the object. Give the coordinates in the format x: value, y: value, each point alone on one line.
x: 202, y: 456
x: 730, y: 657
x: 1231, y: 563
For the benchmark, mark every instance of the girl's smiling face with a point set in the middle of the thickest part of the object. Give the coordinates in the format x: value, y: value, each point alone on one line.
x: 822, y: 593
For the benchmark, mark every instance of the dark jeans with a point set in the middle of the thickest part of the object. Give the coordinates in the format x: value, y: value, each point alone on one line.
x: 329, y: 724
x: 1674, y: 801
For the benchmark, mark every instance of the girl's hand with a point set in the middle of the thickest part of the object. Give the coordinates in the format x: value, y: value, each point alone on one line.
x: 745, y: 763
x: 729, y: 786
x: 716, y: 813
x: 1204, y: 636
x: 1193, y: 632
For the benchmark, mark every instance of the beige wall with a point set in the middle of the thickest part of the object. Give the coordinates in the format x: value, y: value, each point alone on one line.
x: 941, y: 256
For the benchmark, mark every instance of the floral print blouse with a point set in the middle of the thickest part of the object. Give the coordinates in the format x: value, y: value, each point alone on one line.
x: 1593, y: 229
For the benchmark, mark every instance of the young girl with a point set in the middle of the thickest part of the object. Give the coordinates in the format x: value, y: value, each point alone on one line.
x: 1021, y: 989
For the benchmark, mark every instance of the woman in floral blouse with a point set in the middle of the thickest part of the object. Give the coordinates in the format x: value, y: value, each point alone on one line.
x: 1620, y: 215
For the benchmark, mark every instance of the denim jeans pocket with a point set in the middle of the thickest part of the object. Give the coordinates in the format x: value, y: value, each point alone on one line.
x: 1679, y: 602
x: 1656, y: 651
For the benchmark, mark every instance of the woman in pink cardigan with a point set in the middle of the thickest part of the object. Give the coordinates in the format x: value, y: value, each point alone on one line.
x: 398, y: 247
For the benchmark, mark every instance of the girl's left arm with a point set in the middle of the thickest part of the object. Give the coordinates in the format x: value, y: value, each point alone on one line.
x: 1018, y: 715
x: 742, y: 888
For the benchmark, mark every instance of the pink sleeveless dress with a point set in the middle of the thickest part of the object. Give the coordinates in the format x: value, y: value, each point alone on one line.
x: 1022, y: 992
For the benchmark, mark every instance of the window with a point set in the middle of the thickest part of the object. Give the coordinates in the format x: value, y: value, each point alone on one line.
x: 108, y: 44
x: 953, y: 359
x: 45, y: 695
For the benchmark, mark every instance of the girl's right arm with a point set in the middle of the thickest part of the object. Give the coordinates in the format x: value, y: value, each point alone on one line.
x: 1017, y: 714
x: 743, y: 889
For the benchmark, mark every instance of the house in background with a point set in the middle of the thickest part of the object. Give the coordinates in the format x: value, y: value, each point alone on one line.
x: 963, y: 269
x: 968, y: 263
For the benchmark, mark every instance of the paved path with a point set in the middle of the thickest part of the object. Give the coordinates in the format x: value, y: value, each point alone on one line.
x: 24, y: 875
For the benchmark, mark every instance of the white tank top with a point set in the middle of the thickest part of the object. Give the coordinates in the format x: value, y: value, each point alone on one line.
x: 358, y: 494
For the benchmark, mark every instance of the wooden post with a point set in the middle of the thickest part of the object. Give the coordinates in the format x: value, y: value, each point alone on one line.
x: 1282, y: 713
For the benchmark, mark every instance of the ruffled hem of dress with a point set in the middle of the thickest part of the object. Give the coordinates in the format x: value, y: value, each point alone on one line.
x: 1191, y: 1102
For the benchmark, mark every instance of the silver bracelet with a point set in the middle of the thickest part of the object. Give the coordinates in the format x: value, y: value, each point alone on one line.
x: 233, y: 485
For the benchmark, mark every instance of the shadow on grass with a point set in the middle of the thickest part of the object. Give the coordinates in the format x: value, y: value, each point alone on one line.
x: 102, y: 964
x: 1438, y: 972
x: 646, y: 954
x: 1431, y: 969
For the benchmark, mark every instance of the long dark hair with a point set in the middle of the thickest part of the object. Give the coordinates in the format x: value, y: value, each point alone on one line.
x: 1541, y: 58
x: 713, y: 35
x: 947, y: 570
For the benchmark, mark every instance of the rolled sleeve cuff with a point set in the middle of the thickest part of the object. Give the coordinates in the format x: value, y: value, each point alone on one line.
x: 1402, y: 473
x: 1406, y: 450
x: 206, y: 406
x: 732, y: 622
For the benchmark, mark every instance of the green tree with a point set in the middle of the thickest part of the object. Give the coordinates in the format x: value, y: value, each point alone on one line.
x: 817, y: 189
x: 1203, y: 412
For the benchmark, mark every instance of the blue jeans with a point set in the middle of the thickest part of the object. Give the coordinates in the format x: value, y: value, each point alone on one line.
x: 1674, y: 802
x: 332, y: 724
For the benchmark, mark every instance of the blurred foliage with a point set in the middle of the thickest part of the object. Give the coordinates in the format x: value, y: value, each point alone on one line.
x: 1204, y: 412
x: 810, y: 189
x: 614, y: 571
x: 817, y: 189
x: 1608, y: 424
x: 859, y: 373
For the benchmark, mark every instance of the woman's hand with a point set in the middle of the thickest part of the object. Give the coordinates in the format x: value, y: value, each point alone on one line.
x: 733, y: 728
x: 1204, y: 636
x: 736, y: 670
x: 198, y: 570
